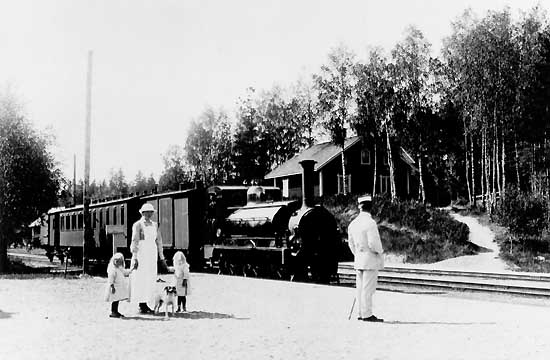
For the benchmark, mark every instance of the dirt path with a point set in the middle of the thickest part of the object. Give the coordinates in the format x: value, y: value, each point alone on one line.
x: 483, y: 236
x: 485, y: 261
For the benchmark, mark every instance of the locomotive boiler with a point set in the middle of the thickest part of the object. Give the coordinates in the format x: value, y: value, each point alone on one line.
x: 269, y: 237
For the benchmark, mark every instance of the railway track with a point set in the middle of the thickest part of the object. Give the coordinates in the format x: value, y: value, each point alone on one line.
x: 42, y: 262
x: 392, y: 278
x: 396, y: 279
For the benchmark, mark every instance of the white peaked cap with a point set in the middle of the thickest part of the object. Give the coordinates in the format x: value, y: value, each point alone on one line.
x: 146, y: 207
x: 364, y: 198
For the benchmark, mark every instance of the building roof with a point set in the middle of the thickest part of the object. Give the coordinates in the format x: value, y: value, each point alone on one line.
x: 323, y: 154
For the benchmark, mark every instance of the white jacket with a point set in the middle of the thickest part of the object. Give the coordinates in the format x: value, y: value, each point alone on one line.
x: 364, y: 242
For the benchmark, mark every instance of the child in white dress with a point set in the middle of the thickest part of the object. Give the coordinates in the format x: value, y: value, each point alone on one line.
x: 117, y: 286
x: 181, y: 278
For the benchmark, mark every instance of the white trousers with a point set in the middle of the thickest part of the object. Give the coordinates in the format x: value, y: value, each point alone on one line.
x: 365, y: 283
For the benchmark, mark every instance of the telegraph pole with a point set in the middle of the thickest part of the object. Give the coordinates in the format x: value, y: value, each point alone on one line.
x: 74, y: 180
x: 87, y: 240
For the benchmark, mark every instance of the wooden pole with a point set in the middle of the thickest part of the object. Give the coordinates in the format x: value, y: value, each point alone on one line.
x: 86, y: 196
x: 74, y: 180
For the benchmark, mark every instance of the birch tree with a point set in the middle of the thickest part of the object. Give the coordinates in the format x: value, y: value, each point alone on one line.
x: 335, y: 84
x: 375, y: 103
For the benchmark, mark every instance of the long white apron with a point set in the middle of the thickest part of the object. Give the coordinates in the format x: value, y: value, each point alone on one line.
x: 143, y: 279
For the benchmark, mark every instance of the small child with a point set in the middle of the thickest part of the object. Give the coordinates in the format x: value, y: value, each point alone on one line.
x: 181, y: 277
x: 117, y: 287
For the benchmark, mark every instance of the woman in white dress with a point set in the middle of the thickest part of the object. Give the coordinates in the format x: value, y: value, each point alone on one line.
x: 146, y: 244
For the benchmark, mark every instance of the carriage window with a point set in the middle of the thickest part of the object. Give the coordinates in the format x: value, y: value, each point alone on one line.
x: 107, y: 217
x: 62, y: 222
x: 73, y: 221
x: 100, y: 218
x: 80, y: 221
x: 94, y: 219
x: 114, y: 216
x: 122, y: 215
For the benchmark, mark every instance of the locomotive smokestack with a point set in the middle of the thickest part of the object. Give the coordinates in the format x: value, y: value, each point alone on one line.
x: 307, y: 182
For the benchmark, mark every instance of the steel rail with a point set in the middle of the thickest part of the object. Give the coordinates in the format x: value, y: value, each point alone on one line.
x: 447, y: 280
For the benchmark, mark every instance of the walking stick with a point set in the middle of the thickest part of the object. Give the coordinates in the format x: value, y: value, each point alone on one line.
x: 352, y: 306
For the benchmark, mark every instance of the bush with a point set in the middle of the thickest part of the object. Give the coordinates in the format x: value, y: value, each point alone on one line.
x: 528, y: 253
x: 523, y: 214
x: 408, y: 228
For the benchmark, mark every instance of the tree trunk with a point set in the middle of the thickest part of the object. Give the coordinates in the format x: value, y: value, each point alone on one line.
x: 497, y: 161
x: 473, y: 167
x: 467, y: 163
x: 487, y: 173
x: 533, y: 184
x: 517, y: 161
x: 503, y: 154
x: 494, y: 176
x: 390, y: 163
x: 344, y: 190
x: 3, y: 251
x: 422, y: 191
x: 375, y: 173
x: 483, y: 173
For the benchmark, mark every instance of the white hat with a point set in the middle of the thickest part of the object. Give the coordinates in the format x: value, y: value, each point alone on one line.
x: 364, y: 198
x: 146, y: 207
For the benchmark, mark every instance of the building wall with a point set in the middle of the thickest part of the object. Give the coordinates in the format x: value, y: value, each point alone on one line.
x: 361, y: 175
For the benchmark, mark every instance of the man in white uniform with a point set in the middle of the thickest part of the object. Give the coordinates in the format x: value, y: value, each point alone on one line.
x: 364, y: 242
x: 146, y: 244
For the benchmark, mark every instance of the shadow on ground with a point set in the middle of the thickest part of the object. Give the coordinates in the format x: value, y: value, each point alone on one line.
x: 5, y: 315
x: 436, y: 323
x: 193, y: 315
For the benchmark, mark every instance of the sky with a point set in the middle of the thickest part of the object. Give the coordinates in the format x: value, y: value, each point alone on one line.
x: 158, y: 64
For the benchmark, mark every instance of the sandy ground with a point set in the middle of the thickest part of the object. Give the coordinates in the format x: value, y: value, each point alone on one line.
x: 243, y: 318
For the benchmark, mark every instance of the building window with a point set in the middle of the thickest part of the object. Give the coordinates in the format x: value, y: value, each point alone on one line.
x: 384, y: 184
x: 341, y: 184
x: 365, y: 157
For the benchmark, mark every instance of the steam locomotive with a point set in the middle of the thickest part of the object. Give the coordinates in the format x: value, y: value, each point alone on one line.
x: 240, y: 230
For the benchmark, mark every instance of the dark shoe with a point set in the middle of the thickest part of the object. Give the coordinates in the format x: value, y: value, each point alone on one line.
x: 115, y: 315
x: 144, y: 309
x: 373, y: 318
x: 120, y: 315
x: 360, y: 318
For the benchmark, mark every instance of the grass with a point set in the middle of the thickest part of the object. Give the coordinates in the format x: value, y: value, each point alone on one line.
x: 523, y: 257
x: 419, y: 248
x: 413, y: 246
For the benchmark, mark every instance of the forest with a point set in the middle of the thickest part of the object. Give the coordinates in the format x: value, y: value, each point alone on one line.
x: 475, y: 118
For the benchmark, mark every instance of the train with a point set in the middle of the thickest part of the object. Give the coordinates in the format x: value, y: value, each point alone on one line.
x: 240, y: 230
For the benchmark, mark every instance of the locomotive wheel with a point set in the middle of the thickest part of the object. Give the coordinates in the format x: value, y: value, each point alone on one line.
x: 227, y: 267
x: 250, y: 270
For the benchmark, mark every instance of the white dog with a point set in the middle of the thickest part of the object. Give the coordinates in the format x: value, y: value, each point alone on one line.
x: 169, y: 296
